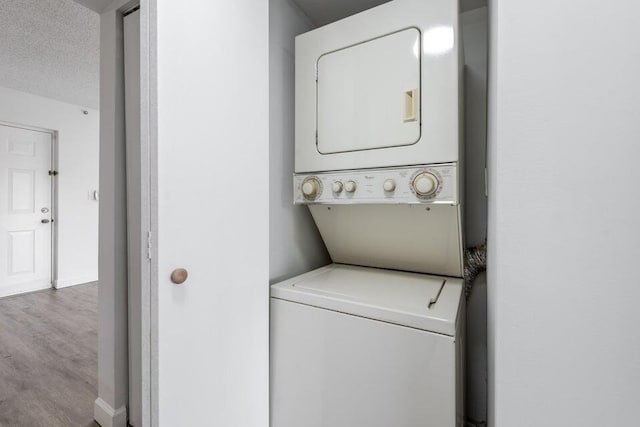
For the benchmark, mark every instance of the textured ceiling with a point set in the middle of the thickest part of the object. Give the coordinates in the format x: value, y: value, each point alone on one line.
x: 322, y: 12
x: 50, y: 48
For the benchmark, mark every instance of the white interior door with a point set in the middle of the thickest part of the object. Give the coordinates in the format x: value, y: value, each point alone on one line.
x: 212, y: 206
x: 25, y: 210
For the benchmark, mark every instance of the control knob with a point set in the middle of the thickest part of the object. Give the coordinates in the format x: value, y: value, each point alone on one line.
x: 310, y: 188
x: 350, y: 186
x: 389, y: 185
x: 337, y: 187
x: 425, y: 184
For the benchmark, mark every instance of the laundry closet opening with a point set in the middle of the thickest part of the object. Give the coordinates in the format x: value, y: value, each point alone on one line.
x: 353, y: 177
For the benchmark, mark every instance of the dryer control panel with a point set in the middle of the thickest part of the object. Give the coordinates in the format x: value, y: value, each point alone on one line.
x: 407, y: 185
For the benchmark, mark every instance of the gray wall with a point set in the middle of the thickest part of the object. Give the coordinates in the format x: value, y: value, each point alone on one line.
x: 474, y: 25
x: 295, y: 245
x: 110, y: 407
x: 564, y: 132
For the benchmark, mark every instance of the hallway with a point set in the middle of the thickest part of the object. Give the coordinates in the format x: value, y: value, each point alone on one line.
x: 48, y: 360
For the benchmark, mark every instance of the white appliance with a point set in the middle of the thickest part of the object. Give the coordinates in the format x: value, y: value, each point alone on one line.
x: 407, y: 218
x: 380, y: 88
x: 378, y: 162
x: 363, y: 347
x: 378, y: 135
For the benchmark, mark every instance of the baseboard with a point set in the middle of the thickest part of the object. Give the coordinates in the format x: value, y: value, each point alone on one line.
x: 7, y: 291
x: 72, y: 281
x: 106, y: 416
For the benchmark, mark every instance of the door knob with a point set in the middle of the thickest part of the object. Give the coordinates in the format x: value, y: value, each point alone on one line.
x: 179, y: 276
x: 44, y: 221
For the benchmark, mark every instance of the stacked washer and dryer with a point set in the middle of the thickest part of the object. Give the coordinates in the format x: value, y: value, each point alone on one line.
x: 376, y: 338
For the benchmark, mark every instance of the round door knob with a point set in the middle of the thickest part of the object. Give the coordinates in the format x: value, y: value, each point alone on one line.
x: 179, y: 276
x: 337, y: 187
x: 350, y: 186
x: 389, y: 185
x: 310, y: 188
x: 425, y: 184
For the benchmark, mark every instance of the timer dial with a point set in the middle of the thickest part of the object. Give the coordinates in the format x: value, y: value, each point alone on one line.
x: 311, y: 188
x: 425, y: 184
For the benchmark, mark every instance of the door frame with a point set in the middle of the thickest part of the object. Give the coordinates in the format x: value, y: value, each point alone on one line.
x: 110, y: 407
x: 149, y: 222
x: 53, y: 166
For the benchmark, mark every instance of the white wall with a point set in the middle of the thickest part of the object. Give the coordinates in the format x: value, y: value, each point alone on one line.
x: 295, y: 245
x: 78, y: 145
x: 564, y: 209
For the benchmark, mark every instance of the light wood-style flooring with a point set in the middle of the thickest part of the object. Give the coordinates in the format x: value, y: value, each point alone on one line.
x: 48, y: 358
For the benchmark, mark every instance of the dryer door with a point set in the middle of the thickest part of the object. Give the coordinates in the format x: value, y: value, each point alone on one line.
x: 381, y: 88
x: 368, y: 94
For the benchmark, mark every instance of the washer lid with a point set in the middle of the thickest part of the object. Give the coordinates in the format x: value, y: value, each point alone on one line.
x: 416, y: 300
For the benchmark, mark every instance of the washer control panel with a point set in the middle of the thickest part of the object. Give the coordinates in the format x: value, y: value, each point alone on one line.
x: 406, y: 185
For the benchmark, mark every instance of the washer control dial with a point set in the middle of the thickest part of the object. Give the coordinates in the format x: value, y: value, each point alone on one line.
x: 389, y: 185
x: 425, y: 184
x: 337, y: 187
x: 311, y: 188
x: 350, y: 186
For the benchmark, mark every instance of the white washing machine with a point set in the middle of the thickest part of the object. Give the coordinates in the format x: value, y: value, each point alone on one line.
x: 364, y: 347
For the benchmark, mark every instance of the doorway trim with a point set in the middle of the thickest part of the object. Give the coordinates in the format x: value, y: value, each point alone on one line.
x: 110, y: 407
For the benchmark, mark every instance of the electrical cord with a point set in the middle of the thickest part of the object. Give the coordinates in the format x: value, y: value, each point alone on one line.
x: 475, y: 262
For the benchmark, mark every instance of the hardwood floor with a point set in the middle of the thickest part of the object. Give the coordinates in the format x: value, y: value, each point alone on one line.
x: 48, y: 358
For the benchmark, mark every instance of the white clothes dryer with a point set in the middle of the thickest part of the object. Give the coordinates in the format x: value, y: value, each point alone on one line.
x: 367, y: 347
x: 378, y: 141
x: 381, y: 88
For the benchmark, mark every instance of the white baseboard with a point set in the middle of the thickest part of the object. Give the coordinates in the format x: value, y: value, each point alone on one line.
x: 6, y: 291
x: 106, y: 416
x: 72, y: 281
